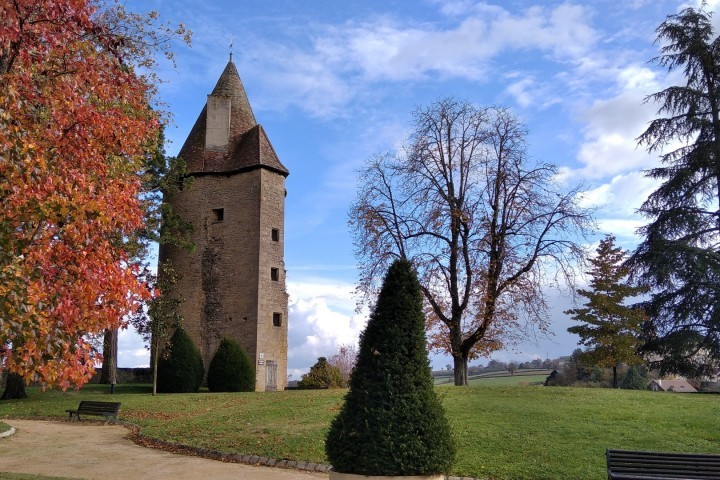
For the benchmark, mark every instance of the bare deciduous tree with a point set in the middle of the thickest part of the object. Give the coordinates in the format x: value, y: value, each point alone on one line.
x: 485, y: 228
x: 344, y: 360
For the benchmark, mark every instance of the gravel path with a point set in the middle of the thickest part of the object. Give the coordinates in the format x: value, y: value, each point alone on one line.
x: 96, y: 451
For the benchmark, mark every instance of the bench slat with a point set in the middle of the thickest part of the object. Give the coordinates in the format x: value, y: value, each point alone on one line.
x: 637, y: 465
x: 662, y: 476
x: 634, y: 453
x: 705, y: 463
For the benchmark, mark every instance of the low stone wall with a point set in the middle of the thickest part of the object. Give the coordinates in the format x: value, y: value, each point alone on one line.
x: 129, y: 375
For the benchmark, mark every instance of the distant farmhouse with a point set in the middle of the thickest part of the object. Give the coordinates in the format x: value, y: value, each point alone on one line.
x: 233, y: 284
x: 678, y: 386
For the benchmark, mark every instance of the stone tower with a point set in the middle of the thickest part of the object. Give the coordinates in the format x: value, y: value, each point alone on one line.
x: 233, y: 284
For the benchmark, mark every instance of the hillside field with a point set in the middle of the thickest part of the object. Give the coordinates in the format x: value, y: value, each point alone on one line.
x: 503, y: 432
x: 499, y: 379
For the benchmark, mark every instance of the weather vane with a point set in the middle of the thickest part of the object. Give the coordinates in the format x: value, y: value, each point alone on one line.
x: 231, y: 46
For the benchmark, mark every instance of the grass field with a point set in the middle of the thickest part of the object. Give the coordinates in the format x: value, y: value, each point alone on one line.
x: 499, y: 381
x: 502, y: 432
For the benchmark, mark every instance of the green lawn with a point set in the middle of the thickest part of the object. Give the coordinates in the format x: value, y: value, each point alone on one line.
x: 500, y: 378
x: 504, y: 432
x: 515, y: 380
x: 499, y: 381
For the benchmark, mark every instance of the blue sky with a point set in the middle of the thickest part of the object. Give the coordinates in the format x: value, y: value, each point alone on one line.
x: 335, y: 82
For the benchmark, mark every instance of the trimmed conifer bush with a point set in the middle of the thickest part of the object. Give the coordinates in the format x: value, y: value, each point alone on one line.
x: 230, y: 369
x: 392, y: 422
x: 182, y: 370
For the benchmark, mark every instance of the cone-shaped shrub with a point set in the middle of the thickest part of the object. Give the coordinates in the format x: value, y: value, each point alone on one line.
x: 182, y: 370
x: 392, y: 423
x: 230, y: 369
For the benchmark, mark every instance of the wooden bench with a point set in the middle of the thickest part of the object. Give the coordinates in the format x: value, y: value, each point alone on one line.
x: 101, y: 409
x: 634, y: 465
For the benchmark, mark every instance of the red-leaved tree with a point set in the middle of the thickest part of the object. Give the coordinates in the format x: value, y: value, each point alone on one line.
x: 75, y: 121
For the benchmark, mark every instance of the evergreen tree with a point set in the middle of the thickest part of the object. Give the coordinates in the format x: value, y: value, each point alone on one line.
x: 322, y: 375
x: 230, y: 369
x: 392, y: 422
x: 608, y: 327
x: 576, y: 369
x: 182, y: 370
x: 679, y: 256
x: 634, y: 379
x: 553, y: 379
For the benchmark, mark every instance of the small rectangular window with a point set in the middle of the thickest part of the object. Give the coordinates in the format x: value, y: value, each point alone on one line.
x: 275, y: 274
x: 277, y: 319
x: 218, y: 214
x: 275, y: 235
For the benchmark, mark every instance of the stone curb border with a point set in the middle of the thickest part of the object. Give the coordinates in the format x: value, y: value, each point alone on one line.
x: 7, y: 433
x: 150, y: 442
x: 145, y: 441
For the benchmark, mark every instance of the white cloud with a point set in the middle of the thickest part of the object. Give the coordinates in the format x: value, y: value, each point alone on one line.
x: 623, y: 229
x: 322, y: 318
x: 521, y: 91
x: 610, y: 153
x: 330, y: 66
x: 622, y: 195
x: 293, y: 77
x: 131, y: 349
x: 455, y: 7
x: 388, y: 51
x: 612, y: 126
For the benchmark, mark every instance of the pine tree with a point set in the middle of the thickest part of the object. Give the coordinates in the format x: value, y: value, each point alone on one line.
x: 392, y: 422
x: 634, y: 379
x: 679, y: 257
x: 610, y: 328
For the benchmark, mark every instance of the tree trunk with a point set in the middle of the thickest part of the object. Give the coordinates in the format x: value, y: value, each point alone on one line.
x: 460, y: 372
x: 154, y: 360
x: 615, y: 384
x: 14, y: 387
x: 108, y: 374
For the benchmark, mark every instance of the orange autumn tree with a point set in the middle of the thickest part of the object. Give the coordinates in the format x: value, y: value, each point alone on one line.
x: 75, y: 121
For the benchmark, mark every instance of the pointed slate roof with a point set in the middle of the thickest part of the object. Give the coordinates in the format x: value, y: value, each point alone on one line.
x: 248, y: 145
